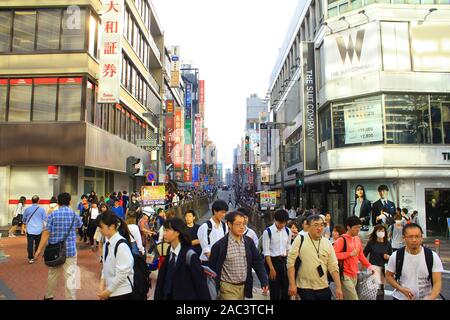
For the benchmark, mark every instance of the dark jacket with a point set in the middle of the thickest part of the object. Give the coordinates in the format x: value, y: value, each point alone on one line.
x: 378, y: 205
x: 189, y: 282
x: 254, y: 260
x: 365, y: 212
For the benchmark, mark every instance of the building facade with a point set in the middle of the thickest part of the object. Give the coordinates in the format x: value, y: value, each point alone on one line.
x: 367, y: 84
x: 49, y: 115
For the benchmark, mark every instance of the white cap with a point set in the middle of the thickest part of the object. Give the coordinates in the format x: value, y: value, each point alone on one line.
x: 148, y: 211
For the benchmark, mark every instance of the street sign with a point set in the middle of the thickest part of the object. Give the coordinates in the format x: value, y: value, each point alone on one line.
x: 146, y: 143
x: 175, y: 58
x: 150, y: 176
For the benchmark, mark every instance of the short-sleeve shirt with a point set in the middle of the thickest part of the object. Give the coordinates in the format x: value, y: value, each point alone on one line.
x: 58, y: 224
x: 414, y: 274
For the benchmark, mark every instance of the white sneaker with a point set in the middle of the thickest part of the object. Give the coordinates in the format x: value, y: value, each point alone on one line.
x: 12, y: 236
x: 31, y: 261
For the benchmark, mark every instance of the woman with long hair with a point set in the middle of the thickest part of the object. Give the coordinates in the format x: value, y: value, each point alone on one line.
x: 362, y: 207
x: 117, y: 273
x: 181, y: 276
x: 17, y: 221
x: 379, y: 250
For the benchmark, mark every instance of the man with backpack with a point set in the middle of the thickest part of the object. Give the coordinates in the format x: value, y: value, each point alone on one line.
x: 212, y: 230
x: 248, y: 231
x: 233, y: 258
x: 316, y: 258
x: 349, y: 251
x: 276, y: 243
x: 414, y: 271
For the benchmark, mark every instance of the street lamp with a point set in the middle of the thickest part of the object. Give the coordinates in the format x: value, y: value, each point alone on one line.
x: 281, y: 126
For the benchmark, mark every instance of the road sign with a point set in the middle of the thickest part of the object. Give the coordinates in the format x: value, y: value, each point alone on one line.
x: 146, y: 143
x: 150, y: 176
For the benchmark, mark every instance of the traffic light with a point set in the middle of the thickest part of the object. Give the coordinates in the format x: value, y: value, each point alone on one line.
x: 131, y: 166
x: 300, y: 179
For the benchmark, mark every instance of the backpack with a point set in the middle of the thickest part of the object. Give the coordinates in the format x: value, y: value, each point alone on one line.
x: 400, y: 257
x: 209, y: 273
x: 141, y: 278
x: 209, y: 224
x: 269, y: 232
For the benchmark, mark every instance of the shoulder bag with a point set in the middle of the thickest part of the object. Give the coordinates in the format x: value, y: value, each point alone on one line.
x: 55, y: 254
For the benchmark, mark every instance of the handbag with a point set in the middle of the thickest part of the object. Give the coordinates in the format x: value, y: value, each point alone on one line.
x: 367, y: 286
x: 55, y: 254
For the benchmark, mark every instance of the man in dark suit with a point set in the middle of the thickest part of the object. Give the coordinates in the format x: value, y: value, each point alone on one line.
x: 233, y: 258
x: 383, y: 202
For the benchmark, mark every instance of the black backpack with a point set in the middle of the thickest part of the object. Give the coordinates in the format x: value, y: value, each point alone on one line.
x: 400, y: 257
x: 141, y: 278
x: 298, y: 261
x: 209, y: 224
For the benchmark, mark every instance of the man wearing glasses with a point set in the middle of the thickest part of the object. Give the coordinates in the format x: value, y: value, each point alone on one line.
x: 317, y: 259
x: 414, y: 271
x: 233, y: 257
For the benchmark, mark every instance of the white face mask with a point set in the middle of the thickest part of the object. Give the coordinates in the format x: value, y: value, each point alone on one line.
x: 380, y: 235
x: 398, y: 221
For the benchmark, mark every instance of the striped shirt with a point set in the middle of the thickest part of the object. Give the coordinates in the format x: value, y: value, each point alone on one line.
x: 235, y: 265
x: 58, y: 224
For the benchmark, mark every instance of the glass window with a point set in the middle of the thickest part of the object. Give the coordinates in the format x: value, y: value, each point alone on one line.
x: 90, y: 102
x: 325, y: 125
x: 358, y: 122
x: 446, y: 120
x: 93, y: 34
x: 5, y: 30
x: 440, y: 119
x: 70, y: 93
x: 130, y: 29
x: 105, y: 108
x: 407, y: 119
x: 24, y: 30
x: 3, y: 98
x: 130, y: 77
x: 49, y: 25
x: 117, y: 123
x: 89, y: 173
x: 44, y: 105
x: 112, y: 118
x: 98, y: 110
x: 74, y: 30
x: 20, y: 100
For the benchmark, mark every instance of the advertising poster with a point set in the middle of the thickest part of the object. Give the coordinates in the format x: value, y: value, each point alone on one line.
x: 268, y: 199
x: 363, y: 122
x: 153, y: 195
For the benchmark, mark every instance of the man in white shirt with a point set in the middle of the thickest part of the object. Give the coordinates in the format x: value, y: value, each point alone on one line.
x: 248, y: 231
x: 292, y: 213
x: 212, y: 230
x: 420, y: 273
x: 276, y: 246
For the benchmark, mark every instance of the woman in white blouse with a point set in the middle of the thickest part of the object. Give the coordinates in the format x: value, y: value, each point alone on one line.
x: 136, y: 237
x: 17, y: 219
x: 118, y: 262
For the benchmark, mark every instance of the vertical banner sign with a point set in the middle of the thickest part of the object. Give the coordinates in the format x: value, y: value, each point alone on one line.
x: 196, y: 175
x: 202, y: 97
x: 175, y: 67
x: 169, y: 139
x: 198, y: 140
x: 188, y: 114
x: 111, y: 54
x: 169, y: 106
x: 187, y: 162
x: 309, y: 105
x: 177, y: 137
x: 263, y: 143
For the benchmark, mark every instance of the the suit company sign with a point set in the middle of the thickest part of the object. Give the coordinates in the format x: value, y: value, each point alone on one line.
x: 353, y: 51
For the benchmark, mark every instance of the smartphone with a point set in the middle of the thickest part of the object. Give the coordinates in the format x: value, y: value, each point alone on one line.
x: 320, y: 271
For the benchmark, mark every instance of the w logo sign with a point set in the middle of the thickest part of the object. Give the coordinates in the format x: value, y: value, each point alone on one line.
x: 351, y: 48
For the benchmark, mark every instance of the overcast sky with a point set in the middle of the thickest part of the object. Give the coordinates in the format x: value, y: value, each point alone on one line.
x: 235, y: 44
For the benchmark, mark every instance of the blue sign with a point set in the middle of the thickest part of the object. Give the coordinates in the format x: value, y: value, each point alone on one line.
x: 150, y: 176
x: 188, y: 101
x: 175, y: 58
x: 196, y: 175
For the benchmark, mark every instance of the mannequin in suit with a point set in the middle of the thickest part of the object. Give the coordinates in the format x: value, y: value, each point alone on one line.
x: 383, y: 191
x: 362, y: 208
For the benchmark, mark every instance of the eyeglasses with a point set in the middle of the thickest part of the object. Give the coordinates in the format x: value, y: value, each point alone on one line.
x: 317, y: 225
x: 240, y: 224
x: 414, y: 237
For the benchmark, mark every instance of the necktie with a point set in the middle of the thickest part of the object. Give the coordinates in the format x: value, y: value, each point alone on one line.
x: 106, y: 249
x: 169, y: 276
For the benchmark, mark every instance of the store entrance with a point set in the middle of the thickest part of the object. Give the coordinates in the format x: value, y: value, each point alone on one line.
x: 437, y: 205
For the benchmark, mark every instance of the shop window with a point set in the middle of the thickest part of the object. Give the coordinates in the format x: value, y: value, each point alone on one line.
x: 3, y: 98
x: 5, y: 30
x: 44, y: 105
x: 70, y: 93
x: 49, y: 25
x: 24, y: 31
x: 73, y: 30
x: 407, y: 119
x: 20, y: 100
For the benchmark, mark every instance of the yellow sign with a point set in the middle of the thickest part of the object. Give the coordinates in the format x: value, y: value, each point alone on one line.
x: 175, y: 79
x: 153, y: 195
x: 268, y: 199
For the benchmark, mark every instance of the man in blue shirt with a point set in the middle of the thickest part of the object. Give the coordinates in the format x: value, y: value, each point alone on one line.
x: 58, y: 226
x: 117, y: 209
x: 34, y: 218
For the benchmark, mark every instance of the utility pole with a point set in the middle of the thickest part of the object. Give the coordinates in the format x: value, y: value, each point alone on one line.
x: 281, y: 126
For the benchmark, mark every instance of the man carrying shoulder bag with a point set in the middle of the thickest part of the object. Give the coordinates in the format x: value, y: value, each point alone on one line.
x: 61, y: 250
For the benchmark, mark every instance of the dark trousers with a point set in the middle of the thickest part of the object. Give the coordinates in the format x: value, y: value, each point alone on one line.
x: 309, y: 294
x: 279, y: 287
x: 92, y: 227
x: 32, y: 244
